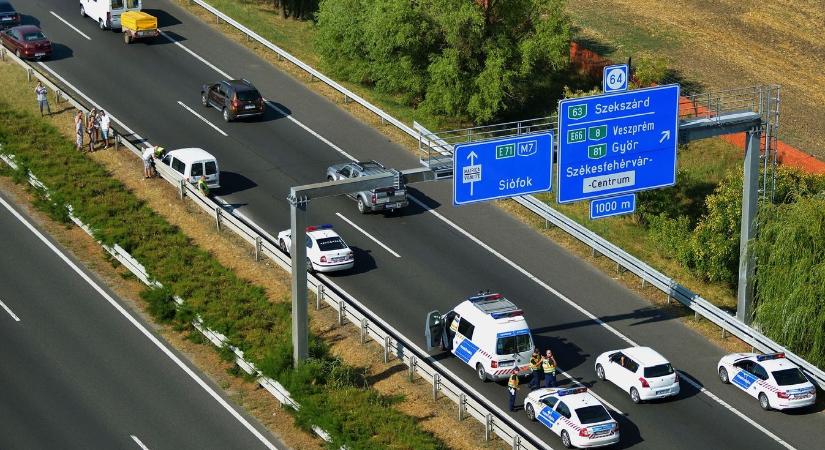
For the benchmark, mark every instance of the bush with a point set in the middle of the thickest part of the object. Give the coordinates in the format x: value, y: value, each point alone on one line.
x: 329, y: 392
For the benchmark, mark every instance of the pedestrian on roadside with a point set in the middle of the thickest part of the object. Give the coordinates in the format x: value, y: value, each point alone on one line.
x: 105, y: 123
x: 42, y: 98
x: 90, y: 129
x: 535, y: 367
x: 202, y: 186
x: 512, y: 389
x: 548, y: 365
x: 148, y: 157
x: 78, y: 130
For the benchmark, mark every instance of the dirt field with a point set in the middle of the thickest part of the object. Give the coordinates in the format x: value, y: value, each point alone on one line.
x: 725, y: 44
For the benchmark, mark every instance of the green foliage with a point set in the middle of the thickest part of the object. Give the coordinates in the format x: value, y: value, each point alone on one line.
x: 790, y: 291
x: 450, y: 57
x: 649, y: 69
x: 331, y: 394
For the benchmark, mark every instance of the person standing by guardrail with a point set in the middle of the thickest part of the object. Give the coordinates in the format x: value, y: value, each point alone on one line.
x: 42, y: 98
x: 105, y: 123
x: 548, y: 365
x: 148, y: 158
x: 78, y: 130
x: 512, y: 389
x: 535, y: 368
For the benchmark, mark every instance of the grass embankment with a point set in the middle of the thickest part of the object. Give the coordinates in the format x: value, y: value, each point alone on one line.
x: 333, y: 395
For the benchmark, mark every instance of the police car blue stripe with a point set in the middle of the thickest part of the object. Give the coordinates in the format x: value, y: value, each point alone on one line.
x: 547, y: 416
x: 466, y: 350
x: 744, y: 379
x: 512, y: 333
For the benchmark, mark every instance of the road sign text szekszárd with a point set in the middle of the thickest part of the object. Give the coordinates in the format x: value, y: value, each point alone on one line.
x: 617, y: 143
x: 502, y: 168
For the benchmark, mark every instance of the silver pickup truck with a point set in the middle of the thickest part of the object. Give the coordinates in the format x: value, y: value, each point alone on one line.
x: 384, y: 199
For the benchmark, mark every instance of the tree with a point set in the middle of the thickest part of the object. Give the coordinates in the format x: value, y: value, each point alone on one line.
x: 471, y: 59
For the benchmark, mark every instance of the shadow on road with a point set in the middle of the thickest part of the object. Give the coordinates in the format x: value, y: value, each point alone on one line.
x: 232, y: 182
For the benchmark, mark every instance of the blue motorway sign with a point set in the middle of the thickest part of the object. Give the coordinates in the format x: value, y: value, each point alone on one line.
x: 612, y: 206
x: 617, y: 143
x: 502, y: 168
x: 614, y: 78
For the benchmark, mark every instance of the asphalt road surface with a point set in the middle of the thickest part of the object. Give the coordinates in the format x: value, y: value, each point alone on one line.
x: 440, y: 254
x: 76, y: 371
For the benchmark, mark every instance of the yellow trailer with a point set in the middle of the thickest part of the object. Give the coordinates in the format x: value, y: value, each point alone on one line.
x: 138, y: 25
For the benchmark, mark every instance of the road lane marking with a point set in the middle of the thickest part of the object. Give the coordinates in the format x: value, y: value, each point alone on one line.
x: 198, y: 57
x: 8, y: 310
x: 202, y: 118
x: 141, y: 328
x: 590, y: 391
x: 460, y: 230
x: 70, y: 25
x: 137, y: 441
x: 725, y: 404
x: 368, y: 235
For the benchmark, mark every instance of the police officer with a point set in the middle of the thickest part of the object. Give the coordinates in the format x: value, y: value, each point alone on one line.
x: 512, y: 389
x: 548, y: 365
x: 203, y: 187
x: 535, y: 367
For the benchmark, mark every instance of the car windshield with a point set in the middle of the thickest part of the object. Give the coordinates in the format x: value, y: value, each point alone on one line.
x: 513, y: 344
x: 35, y: 36
x: 331, y: 243
x: 788, y: 377
x: 248, y: 95
x: 5, y: 7
x: 658, y: 371
x: 592, y: 414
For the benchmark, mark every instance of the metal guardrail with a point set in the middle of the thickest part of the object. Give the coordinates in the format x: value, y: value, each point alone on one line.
x: 395, y: 345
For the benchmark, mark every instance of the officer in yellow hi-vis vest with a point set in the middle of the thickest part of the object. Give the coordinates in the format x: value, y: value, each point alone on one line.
x: 535, y: 367
x: 548, y: 364
x: 512, y: 389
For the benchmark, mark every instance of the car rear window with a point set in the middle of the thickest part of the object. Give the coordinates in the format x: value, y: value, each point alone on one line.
x: 788, y: 377
x: 331, y: 243
x: 36, y: 36
x: 211, y: 168
x: 658, y: 371
x: 592, y: 414
x: 513, y: 344
x: 248, y: 95
x: 197, y: 169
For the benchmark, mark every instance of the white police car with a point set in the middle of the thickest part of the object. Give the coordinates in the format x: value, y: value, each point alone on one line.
x: 574, y: 415
x: 775, y: 381
x: 326, y: 250
x: 487, y: 332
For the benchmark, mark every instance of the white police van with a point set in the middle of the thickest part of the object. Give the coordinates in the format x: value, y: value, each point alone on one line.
x: 487, y: 332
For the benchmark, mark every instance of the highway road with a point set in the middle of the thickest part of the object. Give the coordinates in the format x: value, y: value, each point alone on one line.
x: 432, y: 255
x: 79, y: 371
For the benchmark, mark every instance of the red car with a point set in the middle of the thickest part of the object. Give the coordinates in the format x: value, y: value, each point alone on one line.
x: 27, y: 41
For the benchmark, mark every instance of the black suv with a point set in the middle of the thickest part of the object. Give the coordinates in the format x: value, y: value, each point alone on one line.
x: 8, y: 16
x: 234, y: 98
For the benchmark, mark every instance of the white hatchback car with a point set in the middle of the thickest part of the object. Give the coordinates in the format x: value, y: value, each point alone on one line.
x: 573, y: 414
x: 640, y: 371
x: 326, y: 250
x: 775, y: 381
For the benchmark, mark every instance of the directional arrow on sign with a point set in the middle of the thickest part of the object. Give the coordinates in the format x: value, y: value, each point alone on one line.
x: 665, y: 136
x: 472, y: 157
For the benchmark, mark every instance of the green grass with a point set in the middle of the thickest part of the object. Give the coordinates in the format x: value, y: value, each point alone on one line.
x: 332, y: 395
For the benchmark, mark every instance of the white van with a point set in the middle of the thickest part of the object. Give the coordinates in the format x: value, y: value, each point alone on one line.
x: 192, y: 164
x: 486, y: 331
x: 107, y: 12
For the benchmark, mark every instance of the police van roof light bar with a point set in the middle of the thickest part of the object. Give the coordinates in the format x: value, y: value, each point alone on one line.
x: 504, y: 315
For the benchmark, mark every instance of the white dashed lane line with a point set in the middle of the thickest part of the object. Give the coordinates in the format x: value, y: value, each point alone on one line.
x: 8, y: 310
x: 70, y: 25
x: 368, y: 235
x: 202, y: 118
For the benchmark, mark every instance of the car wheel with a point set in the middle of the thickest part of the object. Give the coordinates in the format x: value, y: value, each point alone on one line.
x: 226, y: 117
x: 102, y: 24
x: 82, y: 11
x: 600, y: 372
x: 482, y: 375
x: 565, y: 439
x: 634, y: 395
x: 204, y: 99
x: 531, y: 413
x: 18, y: 54
x: 329, y: 178
x: 310, y: 269
x: 362, y: 207
x: 763, y: 402
x: 126, y: 38
x: 282, y: 244
x: 723, y: 375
